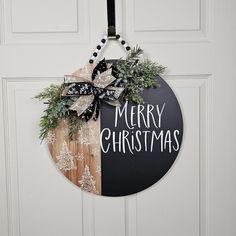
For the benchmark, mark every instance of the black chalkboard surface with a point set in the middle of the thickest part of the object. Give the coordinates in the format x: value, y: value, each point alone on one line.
x: 139, y: 143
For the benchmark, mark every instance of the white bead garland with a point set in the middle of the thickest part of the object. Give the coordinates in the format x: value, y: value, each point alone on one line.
x: 102, y: 44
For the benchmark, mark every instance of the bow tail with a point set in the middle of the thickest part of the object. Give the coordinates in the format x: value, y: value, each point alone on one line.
x: 82, y: 104
x: 88, y: 113
x: 97, y: 110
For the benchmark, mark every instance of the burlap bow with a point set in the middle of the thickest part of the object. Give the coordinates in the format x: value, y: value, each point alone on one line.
x: 90, y: 93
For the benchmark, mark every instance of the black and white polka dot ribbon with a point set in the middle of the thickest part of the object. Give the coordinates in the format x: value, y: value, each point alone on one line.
x: 103, y: 43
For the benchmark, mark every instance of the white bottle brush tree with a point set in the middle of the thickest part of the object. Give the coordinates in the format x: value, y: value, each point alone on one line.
x: 65, y: 159
x: 87, y: 182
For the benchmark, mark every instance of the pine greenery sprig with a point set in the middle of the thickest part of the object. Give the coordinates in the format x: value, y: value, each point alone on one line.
x: 134, y: 54
x: 138, y: 75
x: 57, y: 109
x: 52, y: 94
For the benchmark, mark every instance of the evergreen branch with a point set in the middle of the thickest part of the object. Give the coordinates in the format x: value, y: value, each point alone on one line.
x: 57, y: 109
x: 137, y: 75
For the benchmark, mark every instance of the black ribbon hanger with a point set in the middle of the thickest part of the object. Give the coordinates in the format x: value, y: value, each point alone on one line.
x: 111, y: 18
x: 111, y: 32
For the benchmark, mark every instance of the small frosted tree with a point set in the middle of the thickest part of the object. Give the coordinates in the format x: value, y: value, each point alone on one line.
x: 51, y: 137
x: 65, y: 159
x: 86, y: 135
x: 87, y: 182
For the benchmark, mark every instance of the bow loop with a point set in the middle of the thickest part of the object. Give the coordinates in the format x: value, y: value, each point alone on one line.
x: 102, y: 80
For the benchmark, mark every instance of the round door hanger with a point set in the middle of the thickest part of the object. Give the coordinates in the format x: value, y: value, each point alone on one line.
x: 128, y: 149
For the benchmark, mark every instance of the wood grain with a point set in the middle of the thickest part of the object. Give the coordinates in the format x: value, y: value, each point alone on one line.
x: 90, y: 151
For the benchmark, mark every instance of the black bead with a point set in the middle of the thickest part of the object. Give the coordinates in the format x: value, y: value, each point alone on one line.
x: 122, y: 42
x: 128, y: 48
x: 98, y: 47
x: 91, y: 61
x: 103, y: 40
x: 95, y: 54
x: 117, y: 36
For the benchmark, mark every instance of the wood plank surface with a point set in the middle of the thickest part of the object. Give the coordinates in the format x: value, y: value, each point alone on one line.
x: 85, y: 150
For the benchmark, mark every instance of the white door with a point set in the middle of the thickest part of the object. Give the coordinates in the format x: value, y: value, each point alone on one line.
x: 43, y: 40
